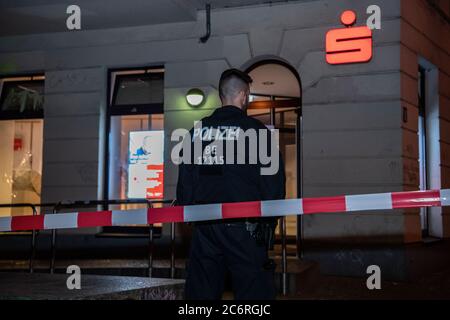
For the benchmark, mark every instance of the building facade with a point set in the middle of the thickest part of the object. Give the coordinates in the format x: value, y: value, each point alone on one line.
x: 362, y: 125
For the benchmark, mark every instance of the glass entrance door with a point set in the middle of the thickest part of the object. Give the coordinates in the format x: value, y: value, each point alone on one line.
x: 280, y: 112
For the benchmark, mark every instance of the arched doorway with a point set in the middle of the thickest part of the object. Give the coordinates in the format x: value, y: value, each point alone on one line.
x: 276, y: 100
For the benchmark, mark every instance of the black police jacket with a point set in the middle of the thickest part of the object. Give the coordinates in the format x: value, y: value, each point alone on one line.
x: 206, y: 182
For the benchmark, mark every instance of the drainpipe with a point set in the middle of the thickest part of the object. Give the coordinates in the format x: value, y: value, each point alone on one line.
x: 208, y: 24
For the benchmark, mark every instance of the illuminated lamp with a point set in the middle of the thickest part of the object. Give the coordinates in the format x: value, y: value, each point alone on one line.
x: 195, y: 97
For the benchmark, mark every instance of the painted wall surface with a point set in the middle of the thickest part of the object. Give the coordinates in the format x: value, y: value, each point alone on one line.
x: 352, y: 133
x: 425, y: 34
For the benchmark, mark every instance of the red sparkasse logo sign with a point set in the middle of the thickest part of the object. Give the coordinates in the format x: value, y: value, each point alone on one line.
x: 349, y: 44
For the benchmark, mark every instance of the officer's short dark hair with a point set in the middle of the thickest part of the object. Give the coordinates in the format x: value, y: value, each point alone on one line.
x: 232, y: 81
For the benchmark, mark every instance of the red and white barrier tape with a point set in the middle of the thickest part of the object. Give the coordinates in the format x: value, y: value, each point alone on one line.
x: 272, y: 208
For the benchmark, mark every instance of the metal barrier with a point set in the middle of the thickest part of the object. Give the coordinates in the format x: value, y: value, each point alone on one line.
x: 283, y: 255
x: 78, y: 204
x: 172, y: 246
x: 33, y: 232
x: 250, y: 209
x: 150, y: 251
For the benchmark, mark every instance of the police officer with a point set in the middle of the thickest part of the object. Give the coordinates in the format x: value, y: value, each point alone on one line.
x: 238, y: 246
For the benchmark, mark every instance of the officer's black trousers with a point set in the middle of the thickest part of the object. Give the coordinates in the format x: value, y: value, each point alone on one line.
x: 220, y: 247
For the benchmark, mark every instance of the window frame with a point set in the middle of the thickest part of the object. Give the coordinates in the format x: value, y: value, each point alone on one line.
x: 123, y: 110
x: 423, y: 147
x: 132, y: 109
x: 27, y: 114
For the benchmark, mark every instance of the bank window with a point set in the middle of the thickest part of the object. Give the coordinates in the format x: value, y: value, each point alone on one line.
x: 21, y: 142
x: 136, y: 135
x: 135, y: 150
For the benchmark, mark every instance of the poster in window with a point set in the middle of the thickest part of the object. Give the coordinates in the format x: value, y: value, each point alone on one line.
x: 146, y: 165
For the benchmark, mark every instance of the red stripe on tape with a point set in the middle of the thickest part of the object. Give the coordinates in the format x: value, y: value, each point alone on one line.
x: 27, y: 222
x: 415, y: 198
x: 94, y: 219
x: 327, y: 204
x: 241, y: 209
x: 167, y: 214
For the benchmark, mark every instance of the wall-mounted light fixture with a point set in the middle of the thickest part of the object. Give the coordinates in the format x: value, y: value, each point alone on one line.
x: 195, y: 97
